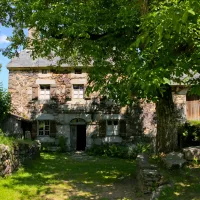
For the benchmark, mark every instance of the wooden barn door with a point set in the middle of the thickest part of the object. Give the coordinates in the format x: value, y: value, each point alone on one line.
x: 193, y: 107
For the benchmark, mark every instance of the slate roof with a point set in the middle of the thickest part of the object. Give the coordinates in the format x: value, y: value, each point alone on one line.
x: 25, y: 60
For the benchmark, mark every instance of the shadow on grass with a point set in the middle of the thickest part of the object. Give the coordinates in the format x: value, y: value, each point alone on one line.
x: 186, y: 184
x: 58, y: 176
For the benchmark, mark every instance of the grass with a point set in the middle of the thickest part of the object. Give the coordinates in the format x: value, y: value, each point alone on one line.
x: 185, y: 182
x: 59, y: 177
x: 194, y: 122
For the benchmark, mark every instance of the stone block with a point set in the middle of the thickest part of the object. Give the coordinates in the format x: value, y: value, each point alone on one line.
x: 174, y: 160
x: 191, y: 153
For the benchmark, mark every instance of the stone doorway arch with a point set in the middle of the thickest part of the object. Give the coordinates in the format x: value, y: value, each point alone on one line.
x: 77, y: 134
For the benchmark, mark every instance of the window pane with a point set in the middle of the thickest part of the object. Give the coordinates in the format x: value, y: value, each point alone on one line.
x: 46, y: 132
x: 109, y: 122
x: 40, y: 132
x: 115, y: 131
x: 115, y: 122
x: 47, y: 91
x: 46, y: 122
x: 78, y: 71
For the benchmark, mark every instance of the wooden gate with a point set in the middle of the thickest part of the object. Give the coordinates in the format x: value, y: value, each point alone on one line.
x: 193, y: 107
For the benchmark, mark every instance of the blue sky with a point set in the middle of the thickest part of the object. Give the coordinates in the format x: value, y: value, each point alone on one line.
x: 4, y: 33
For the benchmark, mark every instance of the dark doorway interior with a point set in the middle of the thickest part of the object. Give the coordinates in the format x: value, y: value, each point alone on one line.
x: 81, y: 138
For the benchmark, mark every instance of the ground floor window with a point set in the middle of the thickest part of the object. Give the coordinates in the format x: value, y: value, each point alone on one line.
x: 112, y: 127
x: 44, y: 127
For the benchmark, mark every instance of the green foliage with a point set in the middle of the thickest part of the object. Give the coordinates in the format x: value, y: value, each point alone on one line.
x: 6, y: 140
x: 11, y: 141
x: 5, y: 103
x: 190, y: 133
x: 119, y: 151
x: 194, y: 123
x: 147, y: 45
x: 62, y: 143
x: 137, y: 48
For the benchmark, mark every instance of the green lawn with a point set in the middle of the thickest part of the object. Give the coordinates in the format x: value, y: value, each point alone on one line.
x: 61, y: 177
x: 58, y: 177
x: 186, y: 183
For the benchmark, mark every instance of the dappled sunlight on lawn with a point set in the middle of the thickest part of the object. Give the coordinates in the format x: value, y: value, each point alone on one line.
x: 59, y: 176
x: 187, y: 184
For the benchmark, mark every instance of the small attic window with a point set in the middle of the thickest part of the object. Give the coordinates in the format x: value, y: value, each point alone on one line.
x: 45, y: 71
x: 78, y: 71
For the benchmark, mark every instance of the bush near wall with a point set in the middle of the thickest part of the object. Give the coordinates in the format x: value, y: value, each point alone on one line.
x: 14, y: 152
x: 129, y: 151
x: 189, y: 134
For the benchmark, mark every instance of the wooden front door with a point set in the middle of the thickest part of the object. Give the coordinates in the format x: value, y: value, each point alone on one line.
x: 73, y: 136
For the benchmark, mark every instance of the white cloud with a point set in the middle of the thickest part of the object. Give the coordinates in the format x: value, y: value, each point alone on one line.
x: 3, y: 39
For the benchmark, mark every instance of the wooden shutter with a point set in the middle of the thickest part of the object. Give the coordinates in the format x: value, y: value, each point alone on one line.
x: 35, y: 92
x: 53, y: 91
x: 52, y: 129
x: 34, y: 130
x: 122, y: 127
x: 68, y: 91
x: 102, y: 128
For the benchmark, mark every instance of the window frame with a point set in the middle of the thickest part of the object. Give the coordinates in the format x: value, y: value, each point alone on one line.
x: 45, y: 129
x: 45, y: 71
x: 112, y: 127
x: 78, y: 71
x: 78, y: 90
x: 46, y: 95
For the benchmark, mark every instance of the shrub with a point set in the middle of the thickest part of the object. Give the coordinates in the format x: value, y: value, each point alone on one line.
x: 189, y: 134
x: 6, y: 140
x: 62, y: 143
x: 119, y: 151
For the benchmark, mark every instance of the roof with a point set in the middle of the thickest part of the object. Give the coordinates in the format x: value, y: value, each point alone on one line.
x: 25, y: 60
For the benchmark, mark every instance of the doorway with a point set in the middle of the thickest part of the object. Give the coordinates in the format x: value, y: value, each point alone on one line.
x: 78, y: 135
x: 81, y: 138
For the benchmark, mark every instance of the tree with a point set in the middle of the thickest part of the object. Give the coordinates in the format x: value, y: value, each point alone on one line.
x: 138, y: 47
x: 5, y: 102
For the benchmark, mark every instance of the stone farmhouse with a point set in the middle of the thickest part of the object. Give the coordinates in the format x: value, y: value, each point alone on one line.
x: 55, y: 104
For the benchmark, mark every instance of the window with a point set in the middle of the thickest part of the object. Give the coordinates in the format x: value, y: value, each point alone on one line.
x: 78, y: 71
x: 112, y: 127
x: 44, y: 93
x: 44, y: 127
x: 78, y: 91
x: 45, y: 71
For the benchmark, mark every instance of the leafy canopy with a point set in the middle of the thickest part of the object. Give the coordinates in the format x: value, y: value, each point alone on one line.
x: 136, y: 46
x: 5, y: 103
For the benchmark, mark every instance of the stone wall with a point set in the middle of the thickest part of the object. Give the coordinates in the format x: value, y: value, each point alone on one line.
x: 179, y: 100
x: 142, y: 119
x: 12, y: 158
x: 148, y: 176
x: 24, y: 88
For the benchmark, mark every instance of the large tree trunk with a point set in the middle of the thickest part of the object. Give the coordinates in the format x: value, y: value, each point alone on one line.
x: 167, y: 123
